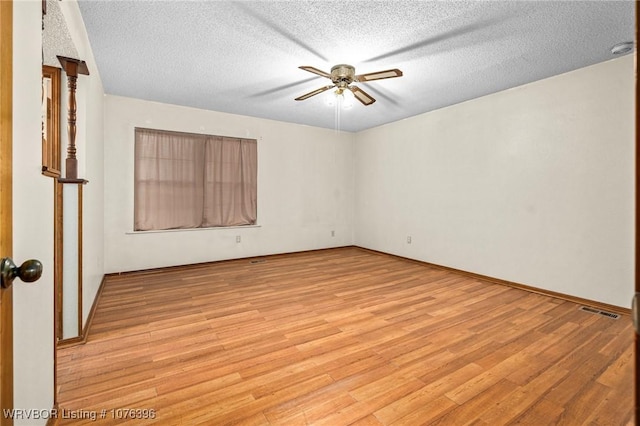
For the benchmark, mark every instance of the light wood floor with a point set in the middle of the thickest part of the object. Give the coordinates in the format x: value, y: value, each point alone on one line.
x: 343, y: 336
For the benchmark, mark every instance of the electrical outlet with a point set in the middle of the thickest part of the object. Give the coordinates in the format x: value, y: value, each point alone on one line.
x: 333, y: 233
x: 238, y: 239
x: 409, y: 240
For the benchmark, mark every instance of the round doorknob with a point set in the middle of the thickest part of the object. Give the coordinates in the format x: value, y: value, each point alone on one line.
x: 29, y: 271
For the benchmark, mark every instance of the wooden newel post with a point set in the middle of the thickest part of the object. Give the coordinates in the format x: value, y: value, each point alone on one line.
x: 72, y: 68
x: 71, y: 169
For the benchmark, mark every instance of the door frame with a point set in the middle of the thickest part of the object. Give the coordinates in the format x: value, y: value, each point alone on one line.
x: 636, y: 385
x: 6, y: 222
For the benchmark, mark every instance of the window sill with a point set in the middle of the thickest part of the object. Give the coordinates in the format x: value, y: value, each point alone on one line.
x: 217, y: 228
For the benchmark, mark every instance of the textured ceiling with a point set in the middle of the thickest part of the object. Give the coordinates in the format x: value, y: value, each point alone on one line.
x: 243, y: 57
x: 56, y: 40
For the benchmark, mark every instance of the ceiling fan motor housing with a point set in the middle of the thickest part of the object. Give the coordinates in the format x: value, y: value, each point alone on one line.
x: 342, y: 75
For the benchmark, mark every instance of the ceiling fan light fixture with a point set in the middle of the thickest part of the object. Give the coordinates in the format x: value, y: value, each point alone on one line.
x: 341, y: 98
x: 331, y: 99
x: 347, y: 99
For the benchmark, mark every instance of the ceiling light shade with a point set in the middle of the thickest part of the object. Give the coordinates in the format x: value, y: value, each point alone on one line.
x: 331, y: 99
x: 622, y: 48
x: 347, y: 99
x: 341, y: 98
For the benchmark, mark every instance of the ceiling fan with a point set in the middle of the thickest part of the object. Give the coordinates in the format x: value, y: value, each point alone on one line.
x: 343, y: 75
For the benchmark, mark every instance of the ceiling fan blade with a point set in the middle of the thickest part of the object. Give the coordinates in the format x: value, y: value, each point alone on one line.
x: 315, y: 92
x: 361, y: 95
x: 363, y: 78
x: 315, y: 71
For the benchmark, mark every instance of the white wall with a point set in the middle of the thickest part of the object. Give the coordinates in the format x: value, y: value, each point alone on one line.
x: 305, y: 188
x: 90, y: 143
x: 33, y: 202
x: 534, y: 185
x: 32, y: 220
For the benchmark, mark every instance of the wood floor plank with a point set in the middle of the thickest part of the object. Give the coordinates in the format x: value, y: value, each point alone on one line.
x: 343, y: 336
x: 426, y: 413
x: 520, y: 400
x: 467, y: 412
x: 426, y: 395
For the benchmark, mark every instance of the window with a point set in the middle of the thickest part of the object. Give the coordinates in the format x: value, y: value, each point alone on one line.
x: 185, y: 180
x: 50, y: 121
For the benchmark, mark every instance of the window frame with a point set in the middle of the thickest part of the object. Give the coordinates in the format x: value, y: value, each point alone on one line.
x: 51, y: 152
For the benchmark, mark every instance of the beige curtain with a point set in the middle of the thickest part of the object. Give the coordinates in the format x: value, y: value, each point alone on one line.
x: 230, y: 181
x: 185, y: 180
